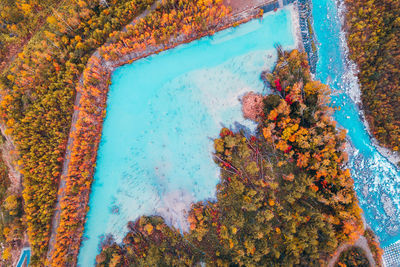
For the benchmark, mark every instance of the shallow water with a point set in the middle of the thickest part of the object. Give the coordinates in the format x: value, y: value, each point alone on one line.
x: 24, y: 258
x: 377, y: 181
x: 155, y: 153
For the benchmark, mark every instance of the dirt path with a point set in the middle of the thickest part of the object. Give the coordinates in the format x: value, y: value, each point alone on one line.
x: 361, y: 243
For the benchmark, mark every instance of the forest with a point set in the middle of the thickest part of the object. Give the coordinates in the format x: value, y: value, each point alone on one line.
x: 38, y: 91
x: 19, y: 21
x: 353, y: 257
x: 374, y: 41
x: 284, y: 196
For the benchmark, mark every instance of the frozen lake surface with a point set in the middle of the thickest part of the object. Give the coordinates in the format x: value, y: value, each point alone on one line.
x: 155, y: 155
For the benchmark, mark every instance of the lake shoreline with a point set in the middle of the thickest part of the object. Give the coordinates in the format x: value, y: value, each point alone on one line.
x: 92, y: 109
x: 236, y: 19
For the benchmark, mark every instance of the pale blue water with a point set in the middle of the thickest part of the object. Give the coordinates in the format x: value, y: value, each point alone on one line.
x: 376, y: 179
x: 155, y: 153
x: 24, y: 257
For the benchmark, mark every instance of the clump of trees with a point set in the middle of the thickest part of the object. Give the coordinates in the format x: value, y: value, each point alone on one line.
x: 284, y: 197
x: 181, y: 20
x: 150, y: 242
x: 38, y: 91
x: 353, y: 257
x: 373, y: 37
x: 19, y: 20
x: 373, y: 244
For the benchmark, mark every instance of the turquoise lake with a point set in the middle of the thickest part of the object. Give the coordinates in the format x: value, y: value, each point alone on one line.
x: 155, y: 156
x: 155, y: 153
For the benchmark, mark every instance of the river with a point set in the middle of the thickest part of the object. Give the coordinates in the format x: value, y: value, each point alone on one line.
x: 377, y: 181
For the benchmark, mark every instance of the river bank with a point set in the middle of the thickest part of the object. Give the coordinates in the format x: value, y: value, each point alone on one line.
x: 355, y: 91
x: 376, y: 178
